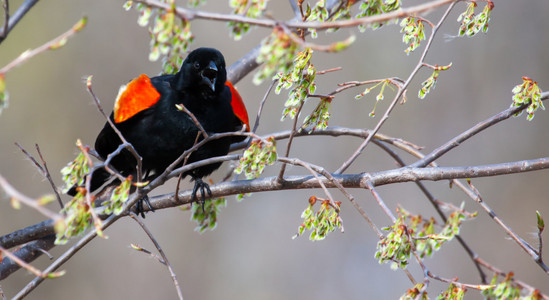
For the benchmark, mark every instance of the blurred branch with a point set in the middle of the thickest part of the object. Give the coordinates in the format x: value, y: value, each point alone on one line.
x: 248, y: 62
x: 38, y: 205
x: 51, y: 45
x: 65, y: 256
x: 43, y: 169
x: 22, y: 263
x: 27, y: 254
x: 189, y: 14
x: 10, y: 22
x: 27, y: 234
x: 6, y: 7
x: 243, y: 66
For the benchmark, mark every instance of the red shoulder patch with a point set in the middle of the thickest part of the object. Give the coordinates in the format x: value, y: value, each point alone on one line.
x: 239, y: 108
x: 134, y: 97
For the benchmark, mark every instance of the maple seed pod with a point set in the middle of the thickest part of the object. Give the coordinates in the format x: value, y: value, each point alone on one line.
x: 81, y: 190
x: 312, y: 200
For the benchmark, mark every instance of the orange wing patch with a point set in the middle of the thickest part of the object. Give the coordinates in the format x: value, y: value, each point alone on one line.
x: 239, y: 108
x: 134, y: 97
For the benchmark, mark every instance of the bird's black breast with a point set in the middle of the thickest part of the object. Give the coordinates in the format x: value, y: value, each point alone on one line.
x: 161, y: 133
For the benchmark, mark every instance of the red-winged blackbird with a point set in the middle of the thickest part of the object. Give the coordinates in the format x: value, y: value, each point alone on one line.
x: 145, y: 112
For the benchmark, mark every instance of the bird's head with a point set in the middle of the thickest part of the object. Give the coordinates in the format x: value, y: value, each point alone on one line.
x: 203, y: 71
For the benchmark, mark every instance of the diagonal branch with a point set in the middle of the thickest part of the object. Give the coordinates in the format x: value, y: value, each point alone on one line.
x: 437, y: 207
x: 53, y: 44
x: 164, y: 257
x: 6, y: 6
x: 43, y: 169
x: 28, y: 253
x: 11, y: 21
x: 473, y: 193
x: 17, y: 196
x: 504, y: 115
x: 189, y: 14
x: 400, y: 92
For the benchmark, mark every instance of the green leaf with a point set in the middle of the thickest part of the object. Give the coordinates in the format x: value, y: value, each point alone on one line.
x: 75, y: 172
x: 541, y: 223
x: 260, y: 154
x: 207, y: 218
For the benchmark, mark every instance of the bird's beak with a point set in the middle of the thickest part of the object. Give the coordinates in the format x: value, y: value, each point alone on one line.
x: 209, y: 75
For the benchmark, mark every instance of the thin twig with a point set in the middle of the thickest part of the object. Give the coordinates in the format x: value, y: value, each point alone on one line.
x: 128, y: 146
x: 338, y: 185
x: 189, y: 14
x: 185, y: 162
x: 290, y: 140
x: 540, y: 244
x: 322, y: 72
x: 501, y: 273
x: 427, y: 274
x: 164, y: 257
x: 29, y: 267
x: 35, y: 204
x: 53, y: 44
x: 153, y: 255
x: 525, y: 246
x: 314, y: 173
x: 262, y: 103
x: 28, y: 253
x: 43, y: 169
x: 68, y: 254
x: 16, y: 17
x: 48, y: 177
x: 456, y: 141
x: 195, y: 120
x: 437, y: 207
x: 380, y: 201
x: 423, y: 267
x: 400, y: 92
x: 6, y: 6
x: 183, y: 157
x: 300, y: 40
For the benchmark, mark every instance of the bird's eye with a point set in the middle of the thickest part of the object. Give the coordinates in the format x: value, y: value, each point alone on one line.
x: 196, y: 65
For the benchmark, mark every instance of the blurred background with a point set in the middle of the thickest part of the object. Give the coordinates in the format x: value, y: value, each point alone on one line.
x: 251, y: 255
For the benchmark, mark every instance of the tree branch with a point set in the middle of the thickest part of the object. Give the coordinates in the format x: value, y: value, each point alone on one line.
x: 28, y: 253
x: 16, y: 17
x: 504, y: 115
x: 164, y: 257
x: 400, y: 175
x: 189, y: 14
x: 400, y: 92
x: 53, y: 44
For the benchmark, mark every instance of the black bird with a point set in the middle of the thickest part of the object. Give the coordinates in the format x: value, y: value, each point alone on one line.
x: 145, y: 113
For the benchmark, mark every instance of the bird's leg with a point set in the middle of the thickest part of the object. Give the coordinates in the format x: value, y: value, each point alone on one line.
x: 139, y: 204
x: 199, y: 184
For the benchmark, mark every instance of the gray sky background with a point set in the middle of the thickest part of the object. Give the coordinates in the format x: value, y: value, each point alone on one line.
x: 251, y: 254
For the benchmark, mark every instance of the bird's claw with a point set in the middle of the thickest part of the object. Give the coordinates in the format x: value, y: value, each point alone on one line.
x: 200, y: 185
x: 139, y: 206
